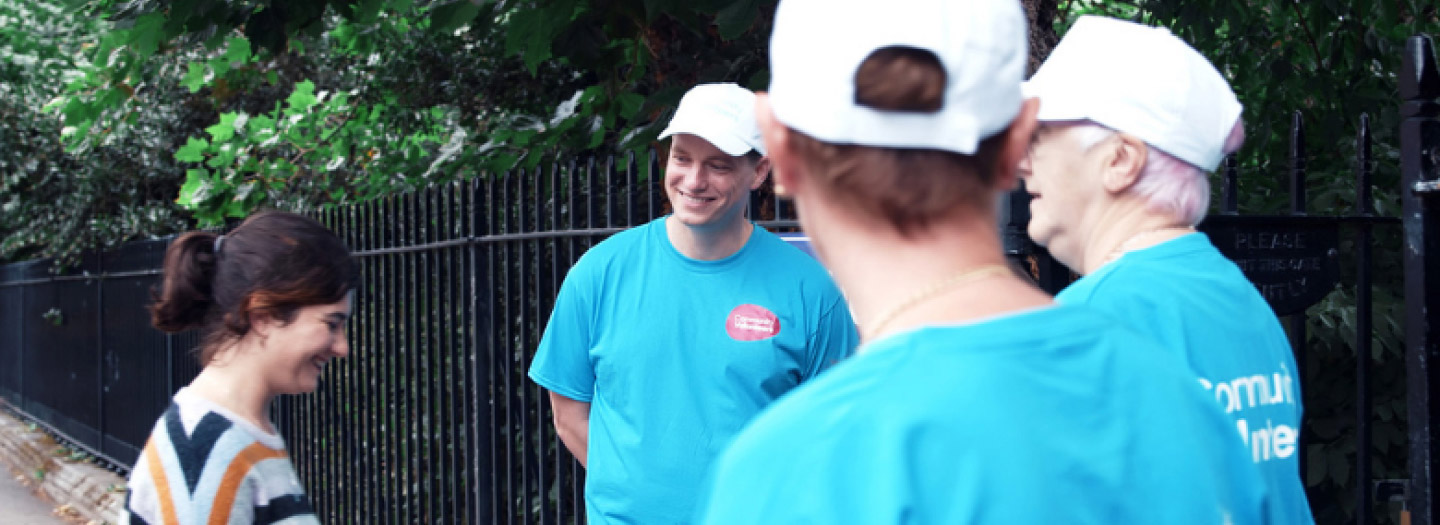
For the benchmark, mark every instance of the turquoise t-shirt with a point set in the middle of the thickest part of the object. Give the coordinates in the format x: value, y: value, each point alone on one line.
x: 1196, y: 303
x: 1055, y: 415
x: 675, y: 355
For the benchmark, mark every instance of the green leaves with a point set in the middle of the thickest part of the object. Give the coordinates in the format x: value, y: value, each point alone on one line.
x: 628, y: 104
x: 196, y: 188
x: 302, y: 99
x: 238, y: 50
x: 312, y: 146
x: 735, y: 19
x: 193, y: 151
x: 225, y: 129
x: 145, y: 36
x: 195, y: 77
x: 451, y: 15
x: 531, y: 31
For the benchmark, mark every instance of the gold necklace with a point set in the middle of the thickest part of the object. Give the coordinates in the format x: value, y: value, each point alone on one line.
x: 952, y: 282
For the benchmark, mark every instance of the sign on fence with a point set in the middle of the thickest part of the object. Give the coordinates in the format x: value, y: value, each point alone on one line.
x: 1292, y: 260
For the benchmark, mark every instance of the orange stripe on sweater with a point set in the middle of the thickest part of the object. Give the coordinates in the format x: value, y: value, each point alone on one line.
x: 162, y: 485
x: 235, y: 476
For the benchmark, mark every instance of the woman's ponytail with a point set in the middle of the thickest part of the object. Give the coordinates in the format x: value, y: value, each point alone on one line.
x: 185, y: 294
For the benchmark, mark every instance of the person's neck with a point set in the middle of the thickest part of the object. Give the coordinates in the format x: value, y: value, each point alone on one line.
x: 930, y: 277
x: 230, y: 384
x: 1131, y: 228
x: 710, y: 243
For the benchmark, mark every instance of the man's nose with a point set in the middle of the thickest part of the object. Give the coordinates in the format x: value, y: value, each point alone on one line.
x: 694, y: 179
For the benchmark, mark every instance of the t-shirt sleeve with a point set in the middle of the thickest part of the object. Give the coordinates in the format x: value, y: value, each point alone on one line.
x: 562, y: 361
x: 834, y: 339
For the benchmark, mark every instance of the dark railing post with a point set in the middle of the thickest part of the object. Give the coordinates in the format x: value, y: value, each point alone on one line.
x: 1420, y: 171
x: 482, y: 307
x: 1297, y: 207
x: 99, y: 345
x: 23, y: 396
x: 1363, y: 208
x: 1229, y: 195
x: 1297, y: 164
x: 652, y: 184
x: 632, y: 185
x: 609, y: 191
x: 170, y: 365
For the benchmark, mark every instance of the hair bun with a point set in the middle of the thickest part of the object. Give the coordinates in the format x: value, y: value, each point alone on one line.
x: 901, y: 78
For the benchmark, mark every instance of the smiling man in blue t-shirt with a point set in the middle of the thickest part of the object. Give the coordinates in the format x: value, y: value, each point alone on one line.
x: 668, y: 338
x: 1118, y: 176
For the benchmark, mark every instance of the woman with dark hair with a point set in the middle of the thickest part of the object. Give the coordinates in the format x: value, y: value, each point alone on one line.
x: 271, y: 299
x: 974, y: 398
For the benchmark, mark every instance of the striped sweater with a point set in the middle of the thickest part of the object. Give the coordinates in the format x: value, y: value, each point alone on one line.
x: 205, y: 465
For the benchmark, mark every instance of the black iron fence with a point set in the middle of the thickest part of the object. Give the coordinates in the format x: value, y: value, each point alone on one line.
x: 433, y: 420
x: 78, y: 354
x: 1420, y: 193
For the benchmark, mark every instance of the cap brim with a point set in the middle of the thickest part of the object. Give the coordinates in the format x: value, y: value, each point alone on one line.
x: 727, y: 142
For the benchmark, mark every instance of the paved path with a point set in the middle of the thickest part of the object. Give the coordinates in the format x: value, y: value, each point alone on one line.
x: 18, y: 506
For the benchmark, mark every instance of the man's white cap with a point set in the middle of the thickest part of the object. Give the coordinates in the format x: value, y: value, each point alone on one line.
x: 723, y: 114
x: 1139, y: 80
x: 818, y: 45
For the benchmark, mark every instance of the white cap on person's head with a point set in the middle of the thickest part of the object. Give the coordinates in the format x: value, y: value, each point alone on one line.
x: 722, y: 114
x: 818, y: 46
x: 1139, y: 80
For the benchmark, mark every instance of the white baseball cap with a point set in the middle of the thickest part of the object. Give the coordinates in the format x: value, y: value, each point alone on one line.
x: 723, y: 114
x: 818, y: 45
x: 1139, y: 80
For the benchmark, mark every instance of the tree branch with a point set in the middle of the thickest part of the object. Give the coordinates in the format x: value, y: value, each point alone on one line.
x: 1295, y: 6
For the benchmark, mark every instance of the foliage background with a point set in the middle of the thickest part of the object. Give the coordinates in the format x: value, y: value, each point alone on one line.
x: 135, y: 119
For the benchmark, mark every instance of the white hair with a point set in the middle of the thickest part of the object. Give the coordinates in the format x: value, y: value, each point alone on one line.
x: 1167, y: 184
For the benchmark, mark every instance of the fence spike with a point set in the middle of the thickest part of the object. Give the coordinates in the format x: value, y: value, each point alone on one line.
x: 1297, y: 164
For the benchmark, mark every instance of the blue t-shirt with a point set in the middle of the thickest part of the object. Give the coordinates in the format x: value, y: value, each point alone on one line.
x: 1053, y: 415
x: 675, y: 355
x: 1196, y: 303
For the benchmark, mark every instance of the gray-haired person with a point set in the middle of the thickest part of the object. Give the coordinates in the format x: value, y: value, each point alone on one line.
x: 1118, y: 178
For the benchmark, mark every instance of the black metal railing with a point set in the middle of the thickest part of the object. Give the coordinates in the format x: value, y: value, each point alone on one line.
x: 77, y: 352
x: 1420, y: 194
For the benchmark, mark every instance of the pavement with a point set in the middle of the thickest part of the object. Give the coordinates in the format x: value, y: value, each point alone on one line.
x: 20, y: 506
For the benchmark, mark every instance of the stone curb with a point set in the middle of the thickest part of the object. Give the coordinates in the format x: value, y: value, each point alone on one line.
x: 80, y: 490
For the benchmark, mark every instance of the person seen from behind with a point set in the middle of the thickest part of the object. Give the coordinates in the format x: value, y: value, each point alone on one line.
x: 975, y: 398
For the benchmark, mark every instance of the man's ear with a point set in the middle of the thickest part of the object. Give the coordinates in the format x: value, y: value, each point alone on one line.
x: 762, y: 170
x: 1124, y: 159
x: 1016, y: 144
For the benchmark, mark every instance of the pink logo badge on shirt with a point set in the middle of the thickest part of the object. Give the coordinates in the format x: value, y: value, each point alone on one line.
x: 749, y: 322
